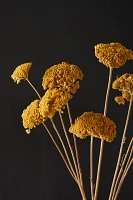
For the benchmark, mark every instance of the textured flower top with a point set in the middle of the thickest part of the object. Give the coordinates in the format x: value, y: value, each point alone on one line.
x: 31, y: 116
x: 63, y: 75
x: 113, y: 55
x: 21, y: 72
x: 124, y: 84
x: 94, y: 124
x: 53, y: 100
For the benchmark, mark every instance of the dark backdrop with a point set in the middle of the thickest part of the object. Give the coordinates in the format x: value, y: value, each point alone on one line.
x: 45, y: 33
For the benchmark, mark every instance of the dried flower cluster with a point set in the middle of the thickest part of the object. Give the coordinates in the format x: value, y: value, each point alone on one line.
x: 124, y: 84
x: 31, y: 116
x: 94, y: 124
x: 63, y: 75
x: 113, y: 55
x: 21, y: 72
x: 53, y: 100
x: 61, y: 81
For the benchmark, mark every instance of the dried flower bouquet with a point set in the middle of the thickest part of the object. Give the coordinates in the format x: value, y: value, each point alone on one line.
x: 61, y: 82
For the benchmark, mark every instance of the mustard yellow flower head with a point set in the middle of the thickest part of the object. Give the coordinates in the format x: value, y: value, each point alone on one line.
x: 31, y: 116
x: 124, y: 84
x: 21, y: 72
x: 94, y: 124
x: 52, y: 101
x: 63, y: 75
x: 120, y: 100
x: 113, y: 55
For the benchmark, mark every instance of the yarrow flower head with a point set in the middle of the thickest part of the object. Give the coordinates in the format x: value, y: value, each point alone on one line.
x: 63, y: 75
x: 113, y: 55
x: 21, y: 72
x: 53, y: 100
x: 94, y: 124
x: 124, y: 84
x: 31, y: 116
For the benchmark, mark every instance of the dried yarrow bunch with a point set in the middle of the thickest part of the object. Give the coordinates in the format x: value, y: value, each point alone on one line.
x: 95, y: 124
x: 61, y: 82
x: 113, y: 55
x: 63, y: 75
x: 21, y: 72
x: 53, y: 100
x: 124, y: 84
x: 31, y: 116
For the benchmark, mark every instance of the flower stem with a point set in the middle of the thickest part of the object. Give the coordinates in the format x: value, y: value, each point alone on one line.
x: 82, y: 192
x: 91, y: 168
x: 75, y: 145
x: 121, y: 148
x: 76, y: 150
x: 59, y: 152
x: 122, y: 179
x: 68, y: 141
x: 122, y: 166
x: 33, y: 88
x: 63, y: 145
x: 102, y: 141
x: 108, y: 91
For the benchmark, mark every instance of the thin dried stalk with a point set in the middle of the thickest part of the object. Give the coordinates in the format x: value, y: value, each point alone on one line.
x: 82, y: 192
x: 122, y: 166
x: 33, y: 88
x: 123, y: 178
x: 102, y: 142
x: 75, y: 145
x: 78, y: 181
x: 60, y: 152
x: 91, y: 168
x: 121, y: 148
x: 99, y: 170
x: 76, y: 150
x: 68, y: 141
x: 129, y: 159
x: 63, y: 145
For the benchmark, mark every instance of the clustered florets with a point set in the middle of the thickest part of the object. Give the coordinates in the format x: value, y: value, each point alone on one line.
x: 113, y: 55
x: 94, y: 124
x: 31, y: 116
x: 61, y: 81
x: 53, y: 100
x: 63, y: 75
x: 21, y: 72
x: 124, y: 84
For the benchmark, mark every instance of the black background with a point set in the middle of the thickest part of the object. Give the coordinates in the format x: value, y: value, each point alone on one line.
x: 47, y: 33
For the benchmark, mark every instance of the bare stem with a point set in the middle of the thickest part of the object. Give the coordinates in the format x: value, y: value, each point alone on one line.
x: 130, y: 157
x: 76, y: 150
x: 122, y: 179
x: 60, y: 152
x: 33, y: 88
x: 62, y: 143
x: 102, y: 142
x: 99, y: 169
x: 91, y: 168
x: 68, y: 141
x: 82, y: 192
x: 122, y: 166
x: 75, y: 145
x: 121, y: 148
x: 108, y: 91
